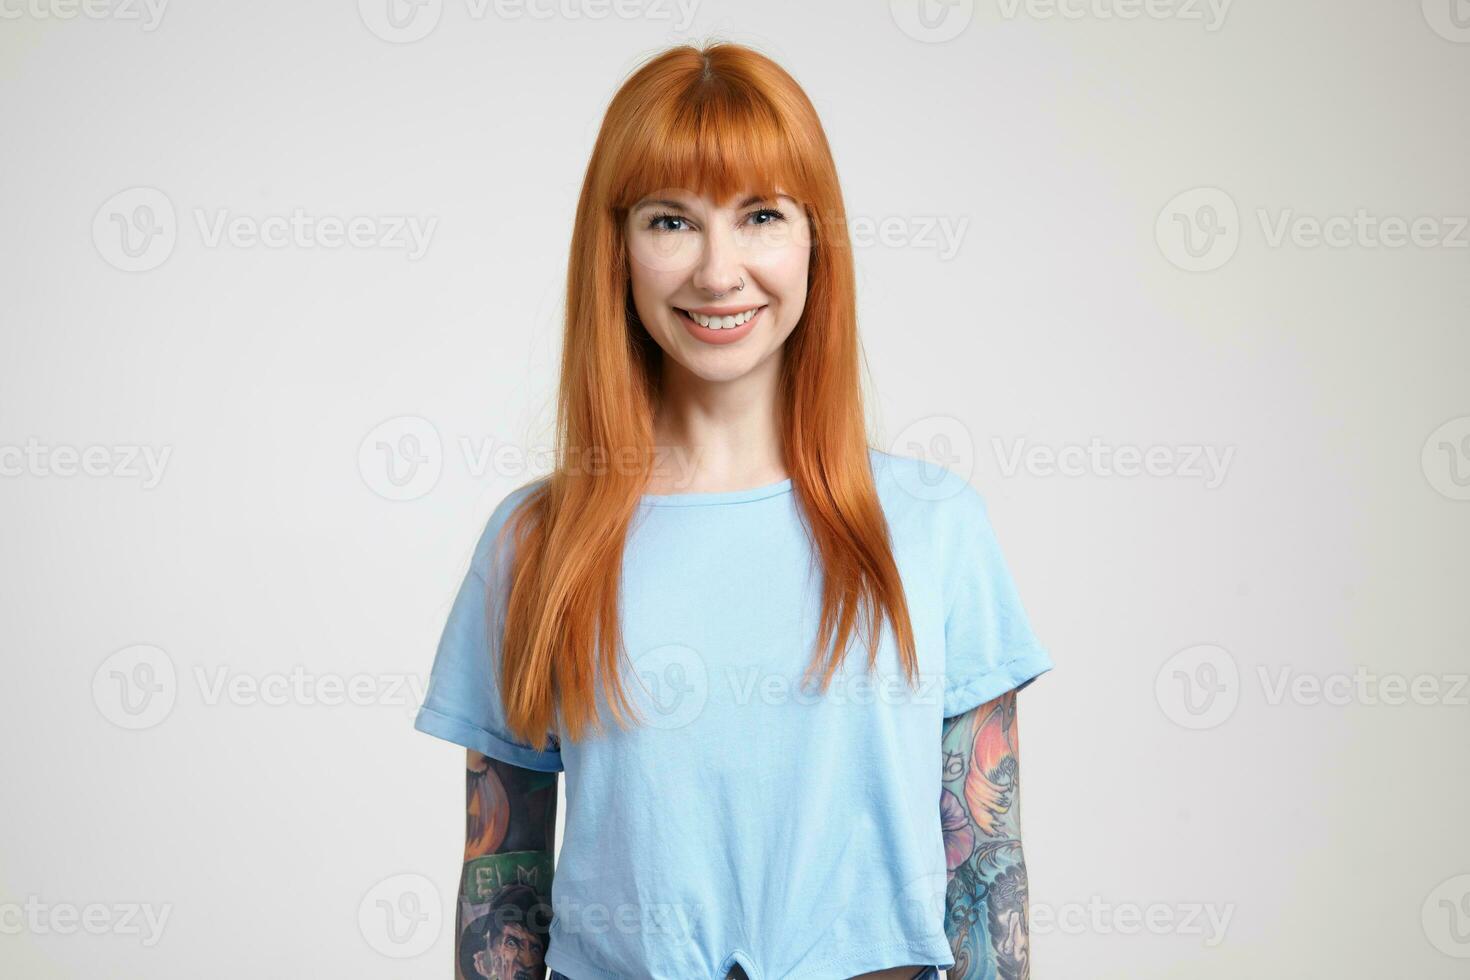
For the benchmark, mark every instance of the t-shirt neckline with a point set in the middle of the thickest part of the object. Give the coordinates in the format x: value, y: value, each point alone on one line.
x: 698, y: 499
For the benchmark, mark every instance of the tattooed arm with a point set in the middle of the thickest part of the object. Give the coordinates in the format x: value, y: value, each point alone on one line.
x: 504, y: 908
x: 985, y: 903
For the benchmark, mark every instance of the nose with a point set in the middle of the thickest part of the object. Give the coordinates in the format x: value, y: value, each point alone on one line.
x: 720, y: 267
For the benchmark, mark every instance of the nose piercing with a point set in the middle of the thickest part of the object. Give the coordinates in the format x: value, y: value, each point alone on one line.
x: 739, y: 287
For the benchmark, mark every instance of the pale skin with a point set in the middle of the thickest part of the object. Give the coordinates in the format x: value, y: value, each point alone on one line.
x: 718, y: 424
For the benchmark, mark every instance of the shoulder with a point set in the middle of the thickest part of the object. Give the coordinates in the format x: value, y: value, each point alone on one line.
x: 494, y: 541
x: 934, y: 495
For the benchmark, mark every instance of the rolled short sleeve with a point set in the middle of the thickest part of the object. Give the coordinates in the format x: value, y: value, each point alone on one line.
x: 989, y: 646
x: 462, y: 703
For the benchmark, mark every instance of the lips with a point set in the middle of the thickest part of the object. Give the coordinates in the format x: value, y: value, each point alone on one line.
x: 718, y: 336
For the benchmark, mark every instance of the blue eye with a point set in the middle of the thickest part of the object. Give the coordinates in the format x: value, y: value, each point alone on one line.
x: 653, y: 221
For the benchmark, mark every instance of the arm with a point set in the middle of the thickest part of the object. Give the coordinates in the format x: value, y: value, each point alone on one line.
x: 985, y: 903
x: 510, y: 836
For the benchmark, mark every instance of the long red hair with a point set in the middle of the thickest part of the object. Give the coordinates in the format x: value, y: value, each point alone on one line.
x: 718, y: 121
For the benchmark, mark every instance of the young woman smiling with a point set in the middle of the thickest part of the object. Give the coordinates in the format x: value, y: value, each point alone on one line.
x: 819, y: 643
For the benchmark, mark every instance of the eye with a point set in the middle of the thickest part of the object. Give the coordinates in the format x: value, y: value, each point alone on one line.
x: 775, y: 215
x: 653, y: 222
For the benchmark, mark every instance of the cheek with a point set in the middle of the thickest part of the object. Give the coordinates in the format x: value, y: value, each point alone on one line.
x: 666, y: 255
x: 651, y: 287
x: 783, y: 270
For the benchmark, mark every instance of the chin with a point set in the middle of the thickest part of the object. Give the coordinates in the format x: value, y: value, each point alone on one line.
x: 717, y: 369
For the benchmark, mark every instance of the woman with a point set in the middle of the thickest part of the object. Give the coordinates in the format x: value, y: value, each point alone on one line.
x: 813, y: 772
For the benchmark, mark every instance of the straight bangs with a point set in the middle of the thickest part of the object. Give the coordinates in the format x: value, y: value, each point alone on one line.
x: 715, y: 141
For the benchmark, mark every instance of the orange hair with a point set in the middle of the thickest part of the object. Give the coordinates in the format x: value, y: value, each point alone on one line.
x: 719, y: 121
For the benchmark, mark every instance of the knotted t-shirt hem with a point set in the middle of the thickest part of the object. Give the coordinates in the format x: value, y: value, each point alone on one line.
x: 931, y: 950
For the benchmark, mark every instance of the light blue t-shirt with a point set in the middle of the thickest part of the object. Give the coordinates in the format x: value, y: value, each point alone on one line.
x: 747, y: 818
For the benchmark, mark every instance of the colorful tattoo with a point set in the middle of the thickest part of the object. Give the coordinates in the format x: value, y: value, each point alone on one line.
x: 505, y: 889
x: 985, y: 903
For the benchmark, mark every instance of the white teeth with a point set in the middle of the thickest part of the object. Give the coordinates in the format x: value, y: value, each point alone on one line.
x: 722, y: 322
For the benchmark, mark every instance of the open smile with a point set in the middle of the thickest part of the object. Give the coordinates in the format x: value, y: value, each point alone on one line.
x: 723, y: 329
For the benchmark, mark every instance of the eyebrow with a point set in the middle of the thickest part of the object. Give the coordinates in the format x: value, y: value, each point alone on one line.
x: 661, y: 202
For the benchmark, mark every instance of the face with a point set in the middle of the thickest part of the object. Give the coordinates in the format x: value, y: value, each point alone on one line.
x: 688, y: 256
x: 516, y: 955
